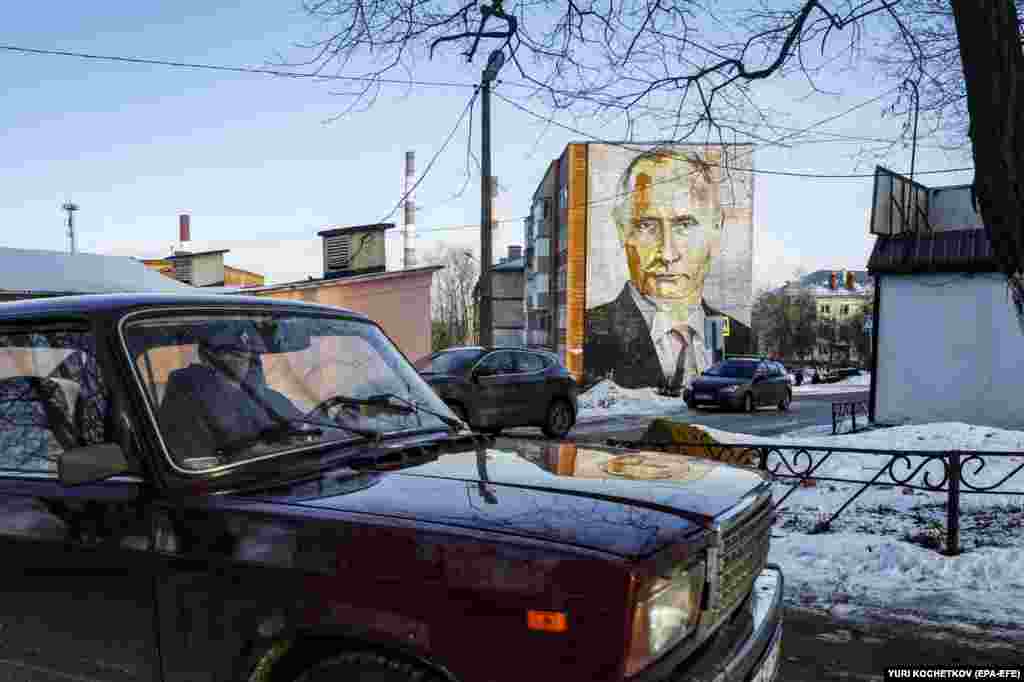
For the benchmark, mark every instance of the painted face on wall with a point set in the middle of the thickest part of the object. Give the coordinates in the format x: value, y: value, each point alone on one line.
x: 671, y: 226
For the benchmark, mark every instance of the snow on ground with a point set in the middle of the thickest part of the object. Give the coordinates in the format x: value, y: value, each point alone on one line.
x: 608, y: 399
x: 877, y: 557
x: 849, y: 385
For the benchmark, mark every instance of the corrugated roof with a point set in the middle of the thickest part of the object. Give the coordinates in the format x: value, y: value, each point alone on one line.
x: 29, y: 270
x: 942, y: 251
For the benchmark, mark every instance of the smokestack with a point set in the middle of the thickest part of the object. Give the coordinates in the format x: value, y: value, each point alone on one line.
x: 832, y: 281
x: 184, y: 233
x: 409, y: 234
x: 850, y: 281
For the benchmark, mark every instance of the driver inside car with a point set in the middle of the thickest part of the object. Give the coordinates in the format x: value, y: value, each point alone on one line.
x: 224, y: 399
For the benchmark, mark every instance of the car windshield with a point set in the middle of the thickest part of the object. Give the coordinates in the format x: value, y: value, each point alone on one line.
x: 449, y: 362
x: 237, y: 387
x: 733, y: 369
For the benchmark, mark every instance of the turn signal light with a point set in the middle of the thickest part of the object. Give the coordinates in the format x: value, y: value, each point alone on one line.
x: 546, y: 621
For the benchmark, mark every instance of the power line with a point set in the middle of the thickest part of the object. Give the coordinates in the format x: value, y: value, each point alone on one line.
x: 756, y: 171
x: 265, y: 71
x: 430, y: 164
x: 795, y: 131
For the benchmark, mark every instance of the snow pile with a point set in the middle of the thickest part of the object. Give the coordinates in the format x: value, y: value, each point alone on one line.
x: 608, y: 399
x: 880, y: 552
x: 859, y: 574
x: 848, y: 385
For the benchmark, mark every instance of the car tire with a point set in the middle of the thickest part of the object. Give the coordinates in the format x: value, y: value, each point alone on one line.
x: 748, y: 403
x: 559, y: 419
x: 784, y: 403
x: 365, y: 666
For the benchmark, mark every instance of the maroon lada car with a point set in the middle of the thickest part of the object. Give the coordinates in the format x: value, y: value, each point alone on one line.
x: 213, y: 488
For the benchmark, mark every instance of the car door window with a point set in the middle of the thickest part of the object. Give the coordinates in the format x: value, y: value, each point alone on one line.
x: 52, y: 398
x: 502, y: 362
x: 530, y: 362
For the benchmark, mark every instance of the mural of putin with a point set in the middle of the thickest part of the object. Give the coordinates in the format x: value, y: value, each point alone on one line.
x: 669, y: 224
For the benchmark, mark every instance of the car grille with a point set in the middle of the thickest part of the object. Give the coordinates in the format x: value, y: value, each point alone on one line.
x: 742, y: 555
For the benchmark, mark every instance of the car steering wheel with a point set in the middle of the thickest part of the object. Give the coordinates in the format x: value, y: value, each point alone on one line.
x: 325, y: 405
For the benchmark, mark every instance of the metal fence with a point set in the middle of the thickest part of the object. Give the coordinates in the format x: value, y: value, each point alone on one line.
x: 953, y: 472
x: 850, y: 408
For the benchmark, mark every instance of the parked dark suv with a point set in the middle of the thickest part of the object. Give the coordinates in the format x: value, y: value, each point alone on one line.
x: 741, y: 383
x: 210, y: 488
x: 495, y: 388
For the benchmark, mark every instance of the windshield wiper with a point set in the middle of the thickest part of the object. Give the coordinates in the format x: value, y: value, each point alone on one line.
x: 406, y: 405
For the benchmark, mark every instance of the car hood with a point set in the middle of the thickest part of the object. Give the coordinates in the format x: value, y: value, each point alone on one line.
x: 627, y: 503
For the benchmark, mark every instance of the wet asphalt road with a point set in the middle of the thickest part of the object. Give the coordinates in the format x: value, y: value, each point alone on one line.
x: 805, y: 411
x: 817, y: 648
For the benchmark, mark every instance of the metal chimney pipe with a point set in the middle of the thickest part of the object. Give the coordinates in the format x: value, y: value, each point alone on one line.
x: 184, y: 225
x: 409, y: 233
x: 71, y: 207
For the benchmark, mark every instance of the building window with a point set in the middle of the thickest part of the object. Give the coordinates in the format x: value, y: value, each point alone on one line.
x: 826, y: 309
x: 844, y: 310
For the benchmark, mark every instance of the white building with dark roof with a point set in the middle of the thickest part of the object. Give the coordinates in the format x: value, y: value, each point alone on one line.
x: 30, y: 273
x: 948, y: 344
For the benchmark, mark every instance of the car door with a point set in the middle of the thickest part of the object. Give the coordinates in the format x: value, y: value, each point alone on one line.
x: 761, y: 385
x: 535, y: 387
x: 77, y: 579
x: 779, y: 382
x: 496, y: 385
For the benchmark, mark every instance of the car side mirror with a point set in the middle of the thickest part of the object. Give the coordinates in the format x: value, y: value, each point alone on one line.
x: 91, y: 464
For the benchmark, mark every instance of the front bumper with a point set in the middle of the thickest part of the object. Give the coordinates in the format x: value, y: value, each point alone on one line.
x: 740, y: 649
x: 721, y: 398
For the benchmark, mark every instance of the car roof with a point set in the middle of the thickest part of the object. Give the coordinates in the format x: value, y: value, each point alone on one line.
x: 118, y: 303
x: 489, y: 349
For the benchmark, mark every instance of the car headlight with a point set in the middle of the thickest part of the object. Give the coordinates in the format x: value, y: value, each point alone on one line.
x: 731, y: 389
x: 665, y: 614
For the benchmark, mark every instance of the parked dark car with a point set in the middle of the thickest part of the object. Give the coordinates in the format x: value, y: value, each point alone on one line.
x: 214, y: 488
x: 495, y: 388
x: 741, y: 383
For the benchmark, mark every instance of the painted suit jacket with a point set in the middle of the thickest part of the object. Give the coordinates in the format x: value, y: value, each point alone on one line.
x: 617, y: 339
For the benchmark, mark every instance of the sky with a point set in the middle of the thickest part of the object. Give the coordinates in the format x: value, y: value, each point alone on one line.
x: 260, y: 167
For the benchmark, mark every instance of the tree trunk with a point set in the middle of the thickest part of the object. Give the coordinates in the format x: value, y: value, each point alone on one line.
x: 993, y: 67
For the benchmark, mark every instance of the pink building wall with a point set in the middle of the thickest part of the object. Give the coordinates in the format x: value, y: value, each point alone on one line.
x: 398, y: 301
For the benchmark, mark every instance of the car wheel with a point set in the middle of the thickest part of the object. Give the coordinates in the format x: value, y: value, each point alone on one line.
x: 784, y: 404
x: 559, y: 419
x: 365, y: 666
x: 748, y: 403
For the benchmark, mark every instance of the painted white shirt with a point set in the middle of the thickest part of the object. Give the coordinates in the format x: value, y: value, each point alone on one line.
x: 671, y: 337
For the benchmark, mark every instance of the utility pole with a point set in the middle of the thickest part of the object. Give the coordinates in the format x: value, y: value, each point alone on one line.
x: 494, y: 64
x: 71, y: 207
